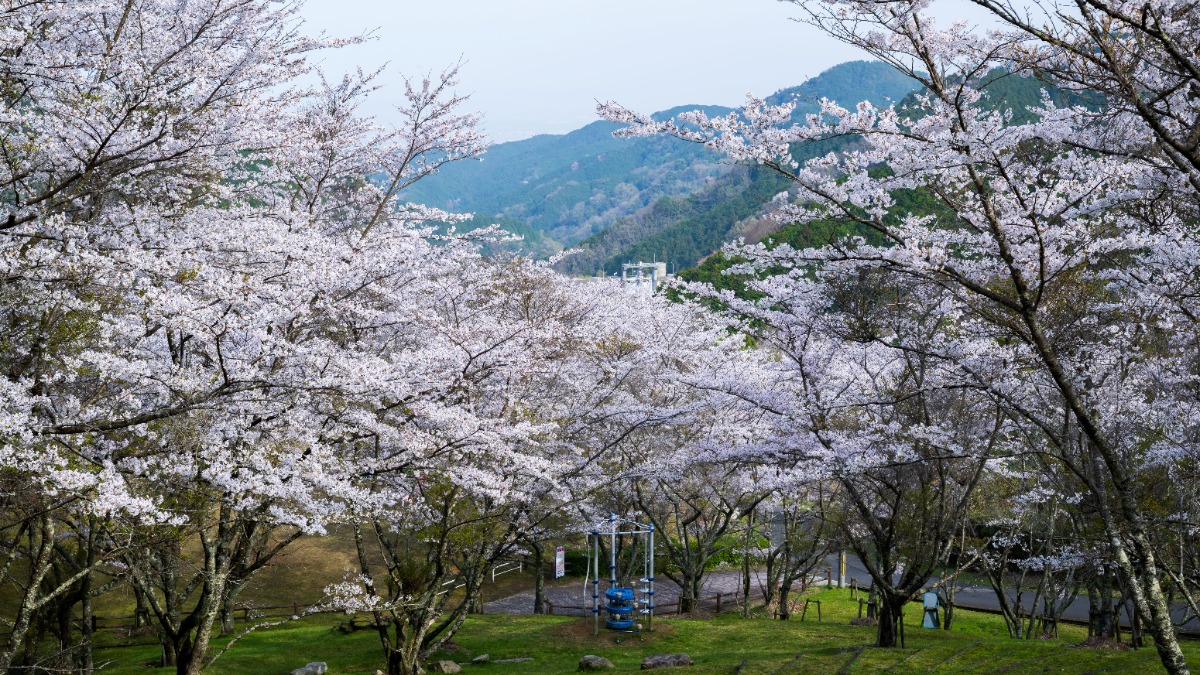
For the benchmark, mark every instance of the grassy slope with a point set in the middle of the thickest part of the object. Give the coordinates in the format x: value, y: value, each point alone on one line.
x: 296, y: 577
x: 977, y: 645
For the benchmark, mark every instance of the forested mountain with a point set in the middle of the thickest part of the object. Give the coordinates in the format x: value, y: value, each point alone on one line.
x: 681, y: 232
x: 573, y: 185
x: 848, y: 83
x: 619, y: 200
x: 616, y: 196
x: 1000, y: 88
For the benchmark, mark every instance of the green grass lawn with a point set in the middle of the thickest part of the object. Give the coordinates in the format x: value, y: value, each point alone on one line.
x: 978, y: 644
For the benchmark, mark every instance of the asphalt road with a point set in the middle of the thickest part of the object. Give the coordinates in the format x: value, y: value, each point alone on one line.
x: 571, y: 598
x: 983, y: 597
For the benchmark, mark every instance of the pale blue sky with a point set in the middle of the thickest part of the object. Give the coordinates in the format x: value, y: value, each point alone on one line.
x: 537, y: 66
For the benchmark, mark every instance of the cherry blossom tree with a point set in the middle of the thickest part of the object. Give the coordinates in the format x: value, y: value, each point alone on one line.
x: 695, y: 510
x: 1051, y: 256
x: 552, y: 380
x: 343, y: 275
x: 197, y: 275
x: 799, y: 536
x: 105, y: 113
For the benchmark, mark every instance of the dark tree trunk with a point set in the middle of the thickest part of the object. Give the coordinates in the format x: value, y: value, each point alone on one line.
x: 539, y: 578
x: 141, y: 613
x: 785, y: 605
x: 746, y: 586
x: 890, y: 614
x: 1100, y: 614
x: 1135, y: 625
x: 85, y: 660
x: 689, y: 593
x: 227, y: 609
x: 746, y: 564
x: 396, y: 665
x: 947, y: 607
x: 170, y: 652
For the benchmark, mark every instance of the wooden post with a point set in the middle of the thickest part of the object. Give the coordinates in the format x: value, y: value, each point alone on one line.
x: 549, y: 607
x: 718, y: 603
x: 829, y: 576
x: 295, y: 609
x: 804, y: 612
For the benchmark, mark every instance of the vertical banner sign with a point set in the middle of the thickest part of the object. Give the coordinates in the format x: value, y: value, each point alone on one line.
x: 560, y: 562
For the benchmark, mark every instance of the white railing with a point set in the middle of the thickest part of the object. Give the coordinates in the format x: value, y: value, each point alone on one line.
x: 499, y: 570
x: 506, y: 567
x: 453, y: 588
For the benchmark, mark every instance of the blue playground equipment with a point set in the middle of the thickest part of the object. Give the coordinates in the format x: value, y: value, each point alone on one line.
x: 625, y: 605
x: 620, y: 608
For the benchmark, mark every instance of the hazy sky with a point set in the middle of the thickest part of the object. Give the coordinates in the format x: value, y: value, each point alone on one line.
x: 538, y: 66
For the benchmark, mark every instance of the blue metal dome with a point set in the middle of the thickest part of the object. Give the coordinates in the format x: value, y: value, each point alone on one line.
x: 619, y: 596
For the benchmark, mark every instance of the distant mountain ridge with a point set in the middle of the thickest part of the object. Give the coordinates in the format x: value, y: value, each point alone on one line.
x: 682, y: 231
x: 651, y: 197
x: 572, y: 185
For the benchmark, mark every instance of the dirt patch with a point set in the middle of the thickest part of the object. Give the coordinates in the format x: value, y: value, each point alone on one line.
x: 864, y: 622
x: 452, y: 647
x: 579, y: 632
x: 701, y: 614
x: 1103, y: 643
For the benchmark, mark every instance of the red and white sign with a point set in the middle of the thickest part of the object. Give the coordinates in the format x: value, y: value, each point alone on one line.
x: 560, y: 562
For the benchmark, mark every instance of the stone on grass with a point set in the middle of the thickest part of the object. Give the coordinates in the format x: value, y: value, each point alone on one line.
x: 313, y: 668
x: 443, y: 667
x: 665, y: 661
x: 523, y: 659
x: 482, y: 658
x: 591, y: 662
